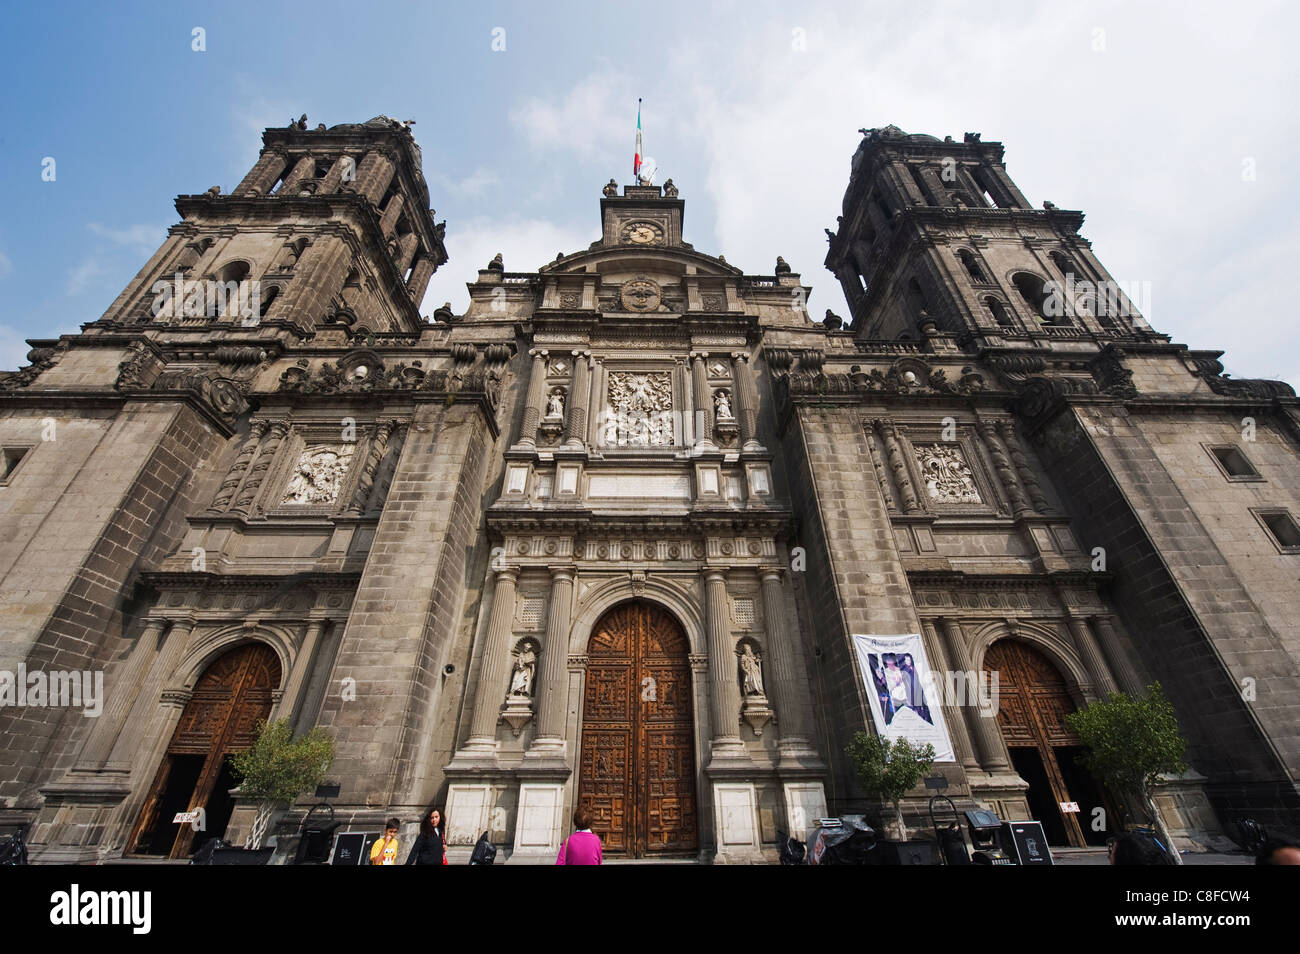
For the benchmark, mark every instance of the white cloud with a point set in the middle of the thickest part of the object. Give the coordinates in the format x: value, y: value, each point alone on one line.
x: 87, y: 275
x: 474, y: 185
x: 1147, y: 136
x: 525, y: 245
x: 6, y: 265
x: 140, y: 239
x: 13, y: 348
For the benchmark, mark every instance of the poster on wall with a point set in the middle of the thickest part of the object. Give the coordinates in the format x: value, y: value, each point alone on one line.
x: 905, y: 696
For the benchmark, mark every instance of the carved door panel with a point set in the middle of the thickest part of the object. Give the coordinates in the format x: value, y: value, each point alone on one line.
x: 1033, y: 701
x: 220, y: 719
x: 637, y: 767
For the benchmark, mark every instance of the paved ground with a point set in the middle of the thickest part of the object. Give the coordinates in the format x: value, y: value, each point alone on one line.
x: 1097, y: 856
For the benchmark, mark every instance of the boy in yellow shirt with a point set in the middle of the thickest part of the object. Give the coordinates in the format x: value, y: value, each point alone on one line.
x: 384, y: 850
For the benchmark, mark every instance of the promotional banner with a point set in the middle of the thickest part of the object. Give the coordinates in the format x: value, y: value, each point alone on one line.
x: 905, y: 696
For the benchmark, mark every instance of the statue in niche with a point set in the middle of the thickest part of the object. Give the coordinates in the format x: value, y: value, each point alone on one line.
x: 555, y: 406
x: 751, y: 668
x: 722, y: 404
x: 521, y: 680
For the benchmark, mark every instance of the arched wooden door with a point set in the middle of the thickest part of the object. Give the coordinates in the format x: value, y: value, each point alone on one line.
x: 1033, y: 701
x: 637, y: 767
x: 220, y: 719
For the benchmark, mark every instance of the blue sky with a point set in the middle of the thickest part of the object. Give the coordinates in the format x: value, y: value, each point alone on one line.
x: 1143, y: 115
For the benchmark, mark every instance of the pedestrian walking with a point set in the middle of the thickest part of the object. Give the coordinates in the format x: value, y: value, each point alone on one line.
x: 430, y: 847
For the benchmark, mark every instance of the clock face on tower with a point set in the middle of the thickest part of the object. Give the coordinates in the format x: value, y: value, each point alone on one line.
x: 643, y: 233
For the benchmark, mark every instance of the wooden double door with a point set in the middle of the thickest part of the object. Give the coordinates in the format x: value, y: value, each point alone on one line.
x: 637, y: 764
x: 1033, y: 701
x: 220, y: 720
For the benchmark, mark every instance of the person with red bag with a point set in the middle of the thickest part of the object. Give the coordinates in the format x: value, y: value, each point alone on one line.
x: 429, y: 847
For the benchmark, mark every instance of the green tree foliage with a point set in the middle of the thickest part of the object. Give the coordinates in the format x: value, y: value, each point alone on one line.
x: 889, y: 772
x: 1131, y: 741
x: 278, y: 768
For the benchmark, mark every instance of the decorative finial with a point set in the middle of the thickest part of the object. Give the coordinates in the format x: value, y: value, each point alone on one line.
x: 670, y: 190
x: 782, y: 268
x: 611, y: 188
x: 832, y: 321
x: 214, y: 191
x: 1049, y: 206
x: 496, y: 265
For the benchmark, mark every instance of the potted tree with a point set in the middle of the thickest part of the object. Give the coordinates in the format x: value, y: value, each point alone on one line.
x: 278, y: 768
x: 1131, y: 742
x: 888, y: 772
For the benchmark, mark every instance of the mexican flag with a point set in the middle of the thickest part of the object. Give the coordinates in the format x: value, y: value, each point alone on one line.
x: 636, y: 161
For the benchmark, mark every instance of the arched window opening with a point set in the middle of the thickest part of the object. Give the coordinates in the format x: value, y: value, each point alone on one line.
x: 1047, y: 307
x: 972, y: 266
x: 998, y: 312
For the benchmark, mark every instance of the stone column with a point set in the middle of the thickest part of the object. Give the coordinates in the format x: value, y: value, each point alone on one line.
x: 379, y: 489
x: 304, y: 168
x: 724, y: 685
x: 1121, y: 668
x: 1090, y: 653
x: 330, y: 183
x: 1019, y: 502
x: 578, y: 395
x: 852, y: 285
x: 290, y: 701
x: 388, y: 220
x: 1007, y: 430
x: 703, y: 400
x: 418, y: 283
x: 886, y: 494
x: 553, y: 691
x: 496, y: 662
x: 953, y: 710
x: 129, y: 743
x: 258, y: 471
x: 780, y: 656
x: 406, y: 248
x: 120, y: 694
x: 262, y: 176
x: 373, y: 175
x: 902, y: 478
x: 536, y: 395
x: 374, y: 454
x: 988, y: 740
x: 746, y: 402
x: 237, y: 469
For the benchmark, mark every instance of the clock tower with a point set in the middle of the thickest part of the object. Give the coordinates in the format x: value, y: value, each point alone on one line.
x: 647, y: 215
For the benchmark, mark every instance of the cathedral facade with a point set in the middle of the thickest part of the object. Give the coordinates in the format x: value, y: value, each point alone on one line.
x: 635, y: 531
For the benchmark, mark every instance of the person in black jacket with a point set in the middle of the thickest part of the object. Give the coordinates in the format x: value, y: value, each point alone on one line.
x: 429, y: 848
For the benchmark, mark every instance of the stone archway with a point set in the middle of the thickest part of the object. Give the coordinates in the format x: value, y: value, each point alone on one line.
x: 220, y: 719
x: 1033, y: 701
x: 636, y: 770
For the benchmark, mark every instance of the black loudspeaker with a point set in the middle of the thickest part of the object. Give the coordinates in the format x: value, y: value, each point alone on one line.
x: 907, y: 853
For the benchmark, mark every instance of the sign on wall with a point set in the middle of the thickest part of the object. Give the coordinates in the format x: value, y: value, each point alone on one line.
x: 905, y: 697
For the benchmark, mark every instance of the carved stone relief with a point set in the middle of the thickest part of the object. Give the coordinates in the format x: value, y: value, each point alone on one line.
x: 946, y: 475
x: 641, y: 406
x: 318, y: 474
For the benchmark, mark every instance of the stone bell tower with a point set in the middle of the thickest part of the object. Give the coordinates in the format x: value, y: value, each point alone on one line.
x: 938, y: 227
x: 330, y: 225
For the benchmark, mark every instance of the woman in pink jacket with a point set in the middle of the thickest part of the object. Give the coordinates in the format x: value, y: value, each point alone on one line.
x: 583, y: 846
